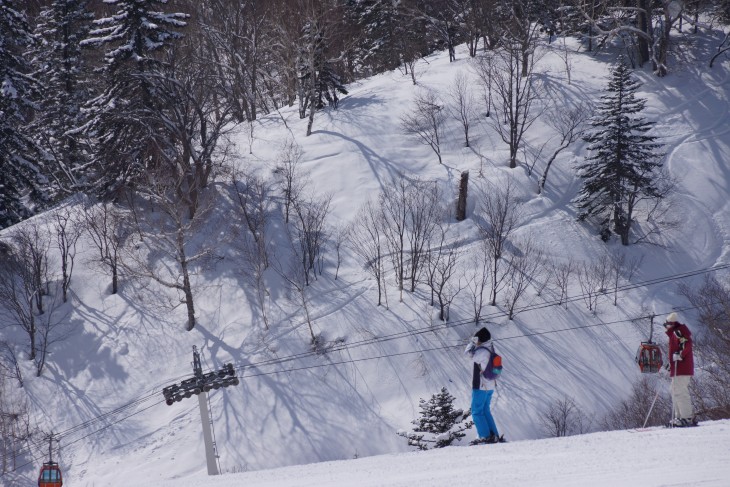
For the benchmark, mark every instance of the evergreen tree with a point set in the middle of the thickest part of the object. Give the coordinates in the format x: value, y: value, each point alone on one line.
x: 624, y: 162
x: 376, y: 22
x: 125, y: 118
x: 440, y: 423
x: 21, y: 159
x: 61, y: 68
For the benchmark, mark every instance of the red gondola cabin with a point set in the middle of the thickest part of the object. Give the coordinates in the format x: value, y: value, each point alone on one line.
x: 50, y: 475
x: 649, y: 358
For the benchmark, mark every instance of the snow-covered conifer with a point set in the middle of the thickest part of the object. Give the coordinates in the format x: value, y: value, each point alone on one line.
x: 440, y: 423
x: 122, y: 118
x: 21, y: 179
x: 624, y: 163
x: 61, y: 68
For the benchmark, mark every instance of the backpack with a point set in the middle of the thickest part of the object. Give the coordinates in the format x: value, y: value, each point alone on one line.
x: 494, y: 366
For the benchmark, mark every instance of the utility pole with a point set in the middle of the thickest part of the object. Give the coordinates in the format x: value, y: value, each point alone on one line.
x: 199, y: 385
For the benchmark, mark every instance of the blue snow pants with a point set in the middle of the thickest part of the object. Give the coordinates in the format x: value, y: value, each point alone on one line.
x: 481, y: 414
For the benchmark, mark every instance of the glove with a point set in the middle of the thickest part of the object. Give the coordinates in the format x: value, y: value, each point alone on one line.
x: 667, y: 366
x: 676, y: 357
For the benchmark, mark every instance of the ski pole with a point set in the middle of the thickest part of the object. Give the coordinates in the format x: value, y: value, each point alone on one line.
x: 651, y: 408
x: 674, y: 411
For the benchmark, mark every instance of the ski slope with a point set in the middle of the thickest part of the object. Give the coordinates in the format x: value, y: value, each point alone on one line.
x: 650, y: 458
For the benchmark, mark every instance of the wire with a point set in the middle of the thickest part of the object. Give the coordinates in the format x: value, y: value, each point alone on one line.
x: 497, y: 314
x: 385, y: 338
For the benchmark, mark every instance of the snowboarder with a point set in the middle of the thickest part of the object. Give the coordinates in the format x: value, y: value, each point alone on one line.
x: 482, y: 389
x: 681, y: 369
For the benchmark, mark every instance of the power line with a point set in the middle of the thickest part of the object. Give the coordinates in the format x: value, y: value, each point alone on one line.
x: 494, y: 315
x: 394, y: 336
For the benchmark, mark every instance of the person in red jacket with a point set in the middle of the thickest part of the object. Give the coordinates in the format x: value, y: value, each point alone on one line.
x: 681, y: 369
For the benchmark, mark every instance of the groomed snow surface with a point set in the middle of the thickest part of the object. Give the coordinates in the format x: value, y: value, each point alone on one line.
x: 642, y: 458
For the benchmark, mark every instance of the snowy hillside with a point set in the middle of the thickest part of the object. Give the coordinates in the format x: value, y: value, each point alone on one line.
x: 101, y: 389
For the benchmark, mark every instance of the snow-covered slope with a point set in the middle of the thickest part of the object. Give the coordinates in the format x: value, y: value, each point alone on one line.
x: 655, y: 457
x: 101, y: 388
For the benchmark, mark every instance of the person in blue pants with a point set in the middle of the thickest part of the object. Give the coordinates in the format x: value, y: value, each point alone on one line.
x: 482, y: 389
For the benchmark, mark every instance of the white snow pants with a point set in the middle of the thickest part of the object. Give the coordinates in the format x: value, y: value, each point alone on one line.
x: 680, y: 397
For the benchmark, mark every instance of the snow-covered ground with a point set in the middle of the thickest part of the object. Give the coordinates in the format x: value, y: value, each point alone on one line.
x: 648, y: 458
x: 101, y: 387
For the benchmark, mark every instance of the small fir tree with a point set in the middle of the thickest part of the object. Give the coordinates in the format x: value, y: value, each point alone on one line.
x: 624, y: 163
x: 440, y: 423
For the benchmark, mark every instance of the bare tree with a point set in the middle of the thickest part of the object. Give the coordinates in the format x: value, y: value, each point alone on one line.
x: 563, y: 417
x: 508, y: 73
x: 167, y: 252
x: 309, y: 232
x: 289, y: 173
x: 652, y: 34
x: 318, y: 54
x: 17, y: 293
x: 593, y: 278
x: 394, y: 202
x: 477, y: 284
x: 252, y: 194
x: 443, y: 277
x: 50, y: 329
x: 562, y: 273
x: 622, y: 269
x: 194, y: 142
x: 632, y: 412
x: 423, y: 213
x: 108, y: 229
x: 570, y: 125
x: 722, y: 48
x: 9, y: 364
x: 501, y: 213
x: 236, y: 47
x: 15, y: 429
x: 67, y: 235
x: 18, y: 288
x: 526, y: 264
x: 339, y: 237
x: 463, y: 106
x: 31, y: 249
x: 425, y: 120
x: 366, y: 239
x: 297, y: 276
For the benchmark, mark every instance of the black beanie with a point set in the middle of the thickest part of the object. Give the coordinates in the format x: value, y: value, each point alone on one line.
x: 483, y: 335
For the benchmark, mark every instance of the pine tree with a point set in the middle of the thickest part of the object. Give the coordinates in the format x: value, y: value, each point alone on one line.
x: 440, y: 423
x: 624, y: 162
x: 61, y: 67
x: 21, y: 159
x: 125, y: 117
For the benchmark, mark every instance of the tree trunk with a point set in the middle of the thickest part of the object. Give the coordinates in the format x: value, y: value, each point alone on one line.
x: 644, y: 24
x: 461, y: 203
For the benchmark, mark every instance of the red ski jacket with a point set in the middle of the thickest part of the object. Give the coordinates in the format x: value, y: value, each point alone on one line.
x: 686, y: 366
